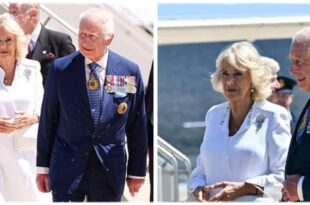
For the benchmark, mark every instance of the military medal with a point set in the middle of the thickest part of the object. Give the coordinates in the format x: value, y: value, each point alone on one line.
x: 122, y: 108
x: 302, y: 124
x: 93, y: 83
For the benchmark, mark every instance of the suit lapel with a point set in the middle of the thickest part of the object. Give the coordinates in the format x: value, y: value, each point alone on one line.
x: 112, y: 69
x: 41, y: 46
x: 80, y: 79
x: 293, y: 144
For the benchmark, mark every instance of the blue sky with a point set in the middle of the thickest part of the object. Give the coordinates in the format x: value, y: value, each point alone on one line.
x: 209, y: 11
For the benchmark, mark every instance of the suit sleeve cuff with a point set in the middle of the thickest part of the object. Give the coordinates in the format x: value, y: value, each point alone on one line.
x: 299, y: 189
x: 135, y: 177
x: 43, y: 170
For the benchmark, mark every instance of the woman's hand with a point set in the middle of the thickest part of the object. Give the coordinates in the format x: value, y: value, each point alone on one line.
x: 232, y: 190
x: 23, y: 119
x: 201, y: 193
x: 7, y: 125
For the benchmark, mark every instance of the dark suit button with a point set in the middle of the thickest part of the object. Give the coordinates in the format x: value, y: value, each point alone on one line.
x: 99, y: 136
x: 93, y: 136
x: 86, y: 154
x: 72, y: 160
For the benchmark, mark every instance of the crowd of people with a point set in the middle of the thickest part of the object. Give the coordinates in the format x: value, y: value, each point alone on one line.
x: 64, y: 113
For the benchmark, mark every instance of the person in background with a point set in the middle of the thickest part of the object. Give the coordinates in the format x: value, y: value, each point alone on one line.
x: 92, y: 98
x: 45, y: 44
x: 297, y: 169
x: 284, y: 97
x: 21, y: 93
x: 244, y: 149
x: 273, y: 67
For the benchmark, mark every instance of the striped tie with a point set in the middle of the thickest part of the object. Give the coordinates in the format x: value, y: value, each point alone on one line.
x: 94, y: 92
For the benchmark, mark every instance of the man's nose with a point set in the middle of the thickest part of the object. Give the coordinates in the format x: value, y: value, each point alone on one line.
x: 294, y: 69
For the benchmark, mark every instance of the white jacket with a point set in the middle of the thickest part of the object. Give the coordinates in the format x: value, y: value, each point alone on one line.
x: 24, y: 95
x: 256, y: 153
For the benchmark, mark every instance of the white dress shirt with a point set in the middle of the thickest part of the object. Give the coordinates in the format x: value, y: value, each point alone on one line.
x: 101, y: 71
x: 255, y: 154
x: 34, y: 36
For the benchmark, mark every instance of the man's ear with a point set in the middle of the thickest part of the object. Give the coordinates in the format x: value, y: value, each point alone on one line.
x: 109, y: 39
x: 33, y: 13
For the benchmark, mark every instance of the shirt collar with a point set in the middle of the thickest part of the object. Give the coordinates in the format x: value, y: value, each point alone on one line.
x: 102, y: 62
x: 35, y: 34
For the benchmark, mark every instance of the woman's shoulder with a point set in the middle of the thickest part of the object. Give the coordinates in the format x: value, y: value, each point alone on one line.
x: 269, y: 107
x: 29, y: 63
x: 216, y: 108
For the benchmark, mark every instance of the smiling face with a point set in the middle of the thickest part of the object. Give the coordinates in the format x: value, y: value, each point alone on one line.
x: 92, y: 41
x: 7, y: 45
x: 236, y: 84
x: 300, y: 68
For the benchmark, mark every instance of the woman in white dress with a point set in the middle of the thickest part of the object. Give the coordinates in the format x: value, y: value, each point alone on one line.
x: 21, y: 93
x: 246, y: 140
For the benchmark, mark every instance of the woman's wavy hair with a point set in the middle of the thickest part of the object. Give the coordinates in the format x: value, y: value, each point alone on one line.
x: 244, y: 57
x: 10, y: 25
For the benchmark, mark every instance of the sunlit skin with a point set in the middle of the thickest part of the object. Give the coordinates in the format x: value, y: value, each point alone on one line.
x: 7, y: 47
x: 26, y: 19
x: 92, y: 41
x: 300, y: 67
x: 236, y: 84
x: 275, y: 83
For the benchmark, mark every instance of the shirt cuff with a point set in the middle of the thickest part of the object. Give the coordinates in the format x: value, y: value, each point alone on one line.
x: 299, y: 189
x: 43, y: 170
x: 135, y: 177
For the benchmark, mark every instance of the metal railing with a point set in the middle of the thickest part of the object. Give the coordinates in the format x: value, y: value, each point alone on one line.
x: 171, y: 155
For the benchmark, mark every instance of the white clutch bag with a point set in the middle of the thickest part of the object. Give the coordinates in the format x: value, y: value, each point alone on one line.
x: 26, y: 138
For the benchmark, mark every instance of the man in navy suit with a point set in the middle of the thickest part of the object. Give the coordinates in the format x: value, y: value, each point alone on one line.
x: 92, y: 98
x: 297, y: 170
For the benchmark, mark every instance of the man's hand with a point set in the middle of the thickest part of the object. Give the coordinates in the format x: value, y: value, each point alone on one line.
x: 201, y: 193
x: 43, y: 183
x: 289, y: 190
x: 134, y: 185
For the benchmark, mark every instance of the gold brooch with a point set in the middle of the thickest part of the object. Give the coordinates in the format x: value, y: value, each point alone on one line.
x: 122, y: 108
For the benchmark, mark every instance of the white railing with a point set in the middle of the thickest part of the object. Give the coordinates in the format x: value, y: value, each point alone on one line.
x: 168, y: 157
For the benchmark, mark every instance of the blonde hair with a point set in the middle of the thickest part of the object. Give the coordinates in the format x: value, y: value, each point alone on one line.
x: 244, y: 57
x: 10, y: 25
x: 270, y: 64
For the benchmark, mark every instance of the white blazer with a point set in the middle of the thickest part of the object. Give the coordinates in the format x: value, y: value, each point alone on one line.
x: 24, y: 95
x: 255, y: 154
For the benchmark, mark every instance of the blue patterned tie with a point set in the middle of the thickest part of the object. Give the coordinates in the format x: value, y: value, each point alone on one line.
x: 94, y: 92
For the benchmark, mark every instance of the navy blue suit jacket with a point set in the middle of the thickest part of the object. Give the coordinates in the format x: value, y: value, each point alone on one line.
x: 67, y: 133
x: 298, y: 159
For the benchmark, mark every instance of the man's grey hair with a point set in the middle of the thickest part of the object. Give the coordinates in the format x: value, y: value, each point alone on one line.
x: 102, y: 15
x: 302, y: 36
